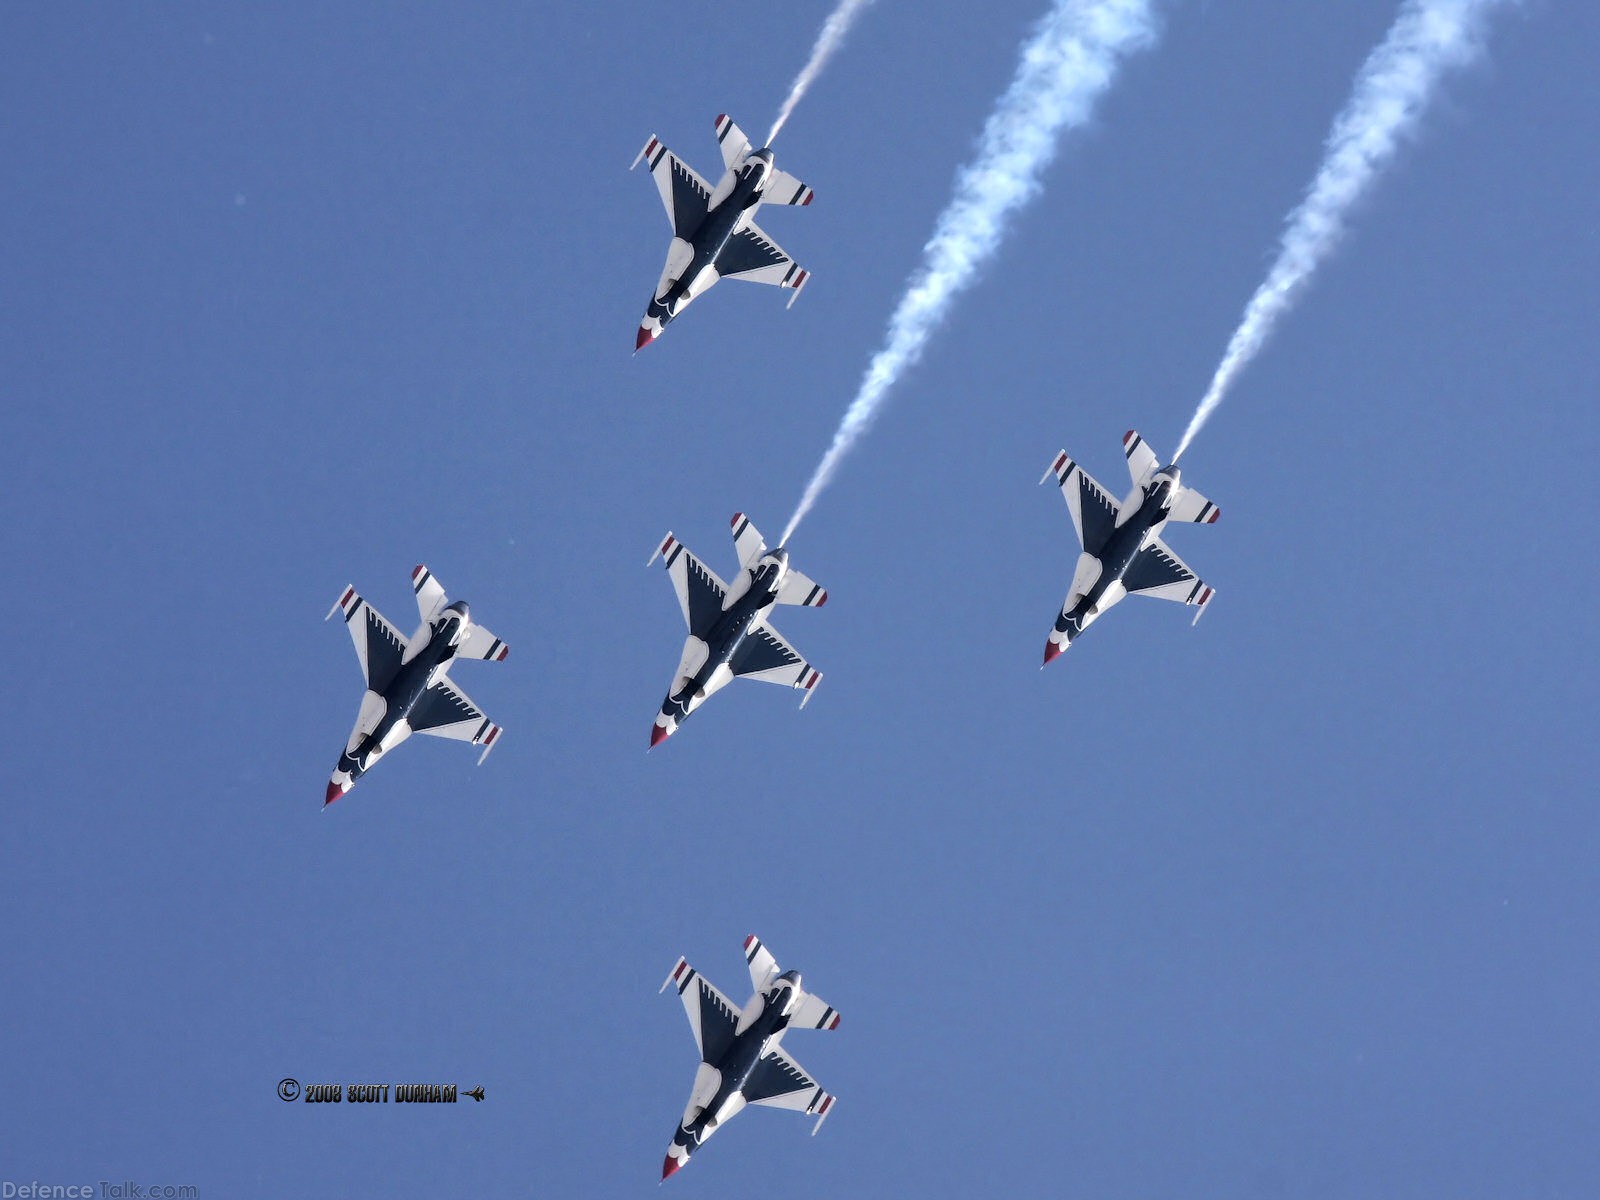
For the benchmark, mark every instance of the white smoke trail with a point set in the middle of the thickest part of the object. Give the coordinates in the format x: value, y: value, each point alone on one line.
x: 1069, y: 60
x: 828, y: 40
x: 1390, y: 95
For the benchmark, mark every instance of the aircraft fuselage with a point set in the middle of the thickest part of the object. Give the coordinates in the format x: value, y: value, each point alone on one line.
x: 406, y: 689
x: 738, y: 1062
x: 729, y: 631
x: 1117, y: 555
x: 711, y: 236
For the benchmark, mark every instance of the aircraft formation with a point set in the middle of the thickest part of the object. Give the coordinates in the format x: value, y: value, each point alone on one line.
x: 408, y: 689
x: 729, y: 629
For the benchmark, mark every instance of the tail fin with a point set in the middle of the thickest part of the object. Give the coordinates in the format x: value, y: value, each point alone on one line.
x: 763, y: 967
x: 747, y: 540
x: 732, y: 140
x: 1142, y: 461
x: 430, y: 592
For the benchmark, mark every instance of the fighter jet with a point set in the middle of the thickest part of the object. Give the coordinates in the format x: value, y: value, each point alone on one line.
x: 1123, y: 553
x: 728, y: 630
x: 741, y: 1061
x: 714, y: 234
x: 409, y: 689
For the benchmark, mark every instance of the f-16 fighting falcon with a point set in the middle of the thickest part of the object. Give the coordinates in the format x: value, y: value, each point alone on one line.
x: 741, y: 1061
x: 728, y: 630
x: 714, y: 234
x: 409, y: 689
x: 1123, y: 553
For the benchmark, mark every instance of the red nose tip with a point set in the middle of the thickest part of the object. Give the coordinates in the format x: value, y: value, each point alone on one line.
x: 644, y: 339
x: 334, y: 792
x: 1051, y: 649
x: 668, y: 1167
x: 658, y: 734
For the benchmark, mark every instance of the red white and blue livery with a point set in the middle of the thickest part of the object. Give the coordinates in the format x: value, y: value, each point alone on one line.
x: 741, y: 1059
x: 1123, y: 554
x: 714, y: 233
x: 409, y: 689
x: 729, y: 636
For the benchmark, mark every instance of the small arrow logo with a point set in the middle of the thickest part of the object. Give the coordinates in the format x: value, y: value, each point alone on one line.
x: 476, y: 1093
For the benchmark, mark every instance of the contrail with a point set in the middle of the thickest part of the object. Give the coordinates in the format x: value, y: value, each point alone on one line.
x: 1069, y: 60
x: 1391, y: 93
x: 829, y: 40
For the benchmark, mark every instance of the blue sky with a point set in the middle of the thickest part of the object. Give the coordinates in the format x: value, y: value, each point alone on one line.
x: 1300, y: 902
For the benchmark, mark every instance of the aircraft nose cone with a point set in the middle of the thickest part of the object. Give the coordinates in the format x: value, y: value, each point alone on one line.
x: 334, y: 792
x: 644, y: 339
x: 1051, y: 650
x: 658, y: 734
x: 669, y: 1166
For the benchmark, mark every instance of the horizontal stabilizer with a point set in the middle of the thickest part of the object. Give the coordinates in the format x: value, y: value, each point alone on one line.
x: 784, y: 188
x: 815, y: 1013
x: 799, y: 589
x: 481, y: 644
x: 1192, y: 506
